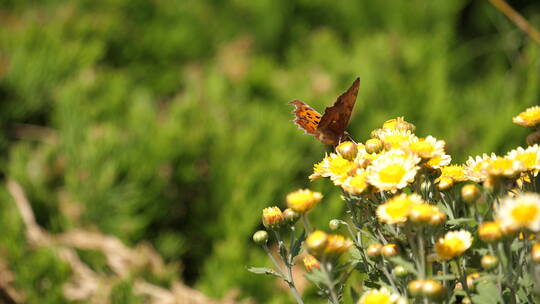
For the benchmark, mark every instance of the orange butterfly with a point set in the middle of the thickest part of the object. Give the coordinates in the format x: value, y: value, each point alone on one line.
x: 330, y: 127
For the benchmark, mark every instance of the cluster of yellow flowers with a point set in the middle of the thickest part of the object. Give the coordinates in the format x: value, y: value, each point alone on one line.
x: 416, y: 212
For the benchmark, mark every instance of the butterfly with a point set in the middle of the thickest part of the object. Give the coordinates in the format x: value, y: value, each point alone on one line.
x: 330, y: 127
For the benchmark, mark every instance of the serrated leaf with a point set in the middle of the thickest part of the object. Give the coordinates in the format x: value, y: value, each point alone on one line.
x: 264, y: 270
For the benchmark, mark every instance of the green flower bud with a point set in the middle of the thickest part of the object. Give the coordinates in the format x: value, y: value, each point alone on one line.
x: 260, y: 237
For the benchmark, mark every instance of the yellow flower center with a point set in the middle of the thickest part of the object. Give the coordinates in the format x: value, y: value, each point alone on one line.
x: 501, y: 165
x: 524, y: 214
x: 423, y: 148
x: 399, y: 208
x: 455, y: 244
x: 393, y: 173
x: 377, y: 298
x: 395, y: 140
x: 531, y: 115
x: 528, y: 159
x: 340, y: 166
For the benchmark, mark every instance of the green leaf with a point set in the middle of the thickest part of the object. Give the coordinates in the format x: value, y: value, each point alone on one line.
x: 296, y: 246
x: 459, y: 221
x: 264, y: 270
x: 487, y: 293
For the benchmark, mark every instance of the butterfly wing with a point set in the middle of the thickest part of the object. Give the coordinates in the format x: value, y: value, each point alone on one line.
x: 306, y: 117
x: 336, y: 118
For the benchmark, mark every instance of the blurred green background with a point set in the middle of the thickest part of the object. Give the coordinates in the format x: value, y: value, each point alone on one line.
x: 167, y: 121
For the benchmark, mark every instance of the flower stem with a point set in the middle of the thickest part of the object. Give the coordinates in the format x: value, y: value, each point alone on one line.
x: 333, y: 298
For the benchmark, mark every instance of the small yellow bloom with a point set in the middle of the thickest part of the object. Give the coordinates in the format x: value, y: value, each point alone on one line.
x: 357, y: 183
x: 530, y: 157
x: 272, y: 217
x: 519, y: 212
x: 438, y: 161
x: 455, y: 172
x: 422, y: 213
x: 335, y: 167
x: 528, y: 118
x: 453, y: 244
x: 503, y: 167
x: 378, y: 296
x: 490, y: 232
x: 426, y: 148
x: 474, y: 168
x: 393, y: 170
x: 397, y: 209
x: 393, y: 139
x: 336, y: 245
x: 303, y: 200
x: 316, y: 241
x: 311, y: 262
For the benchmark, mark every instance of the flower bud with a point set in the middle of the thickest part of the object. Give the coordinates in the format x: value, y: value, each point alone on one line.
x: 347, y: 150
x: 374, y: 145
x: 533, y: 138
x: 260, y: 237
x: 437, y: 219
x: 433, y: 290
x: 489, y: 262
x: 303, y: 200
x: 466, y: 300
x: 374, y: 250
x: 490, y: 232
x: 316, y: 241
x: 415, y: 287
x: 291, y: 216
x: 445, y: 183
x: 389, y: 250
x: 400, y: 271
x: 333, y: 224
x: 535, y: 253
x: 422, y: 213
x: 336, y: 245
x: 272, y: 218
x: 471, y: 278
x: 470, y: 193
x: 375, y: 134
x: 311, y: 262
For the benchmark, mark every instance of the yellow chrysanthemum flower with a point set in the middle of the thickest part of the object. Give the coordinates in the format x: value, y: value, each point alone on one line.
x: 336, y: 245
x: 396, y: 210
x: 530, y: 157
x: 528, y: 118
x: 519, y: 212
x: 453, y: 244
x: 423, y: 213
x: 311, y: 262
x: 396, y: 138
x: 474, y: 167
x: 393, y: 170
x: 378, y: 296
x: 357, y: 183
x: 426, y: 148
x: 438, y: 161
x: 455, y: 172
x: 335, y: 167
x: 501, y: 166
x: 303, y: 200
x: 272, y: 217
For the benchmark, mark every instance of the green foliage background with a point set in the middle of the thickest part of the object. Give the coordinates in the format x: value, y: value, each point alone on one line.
x: 168, y: 121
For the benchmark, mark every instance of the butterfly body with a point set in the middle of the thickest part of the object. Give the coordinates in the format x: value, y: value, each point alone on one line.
x: 329, y: 128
